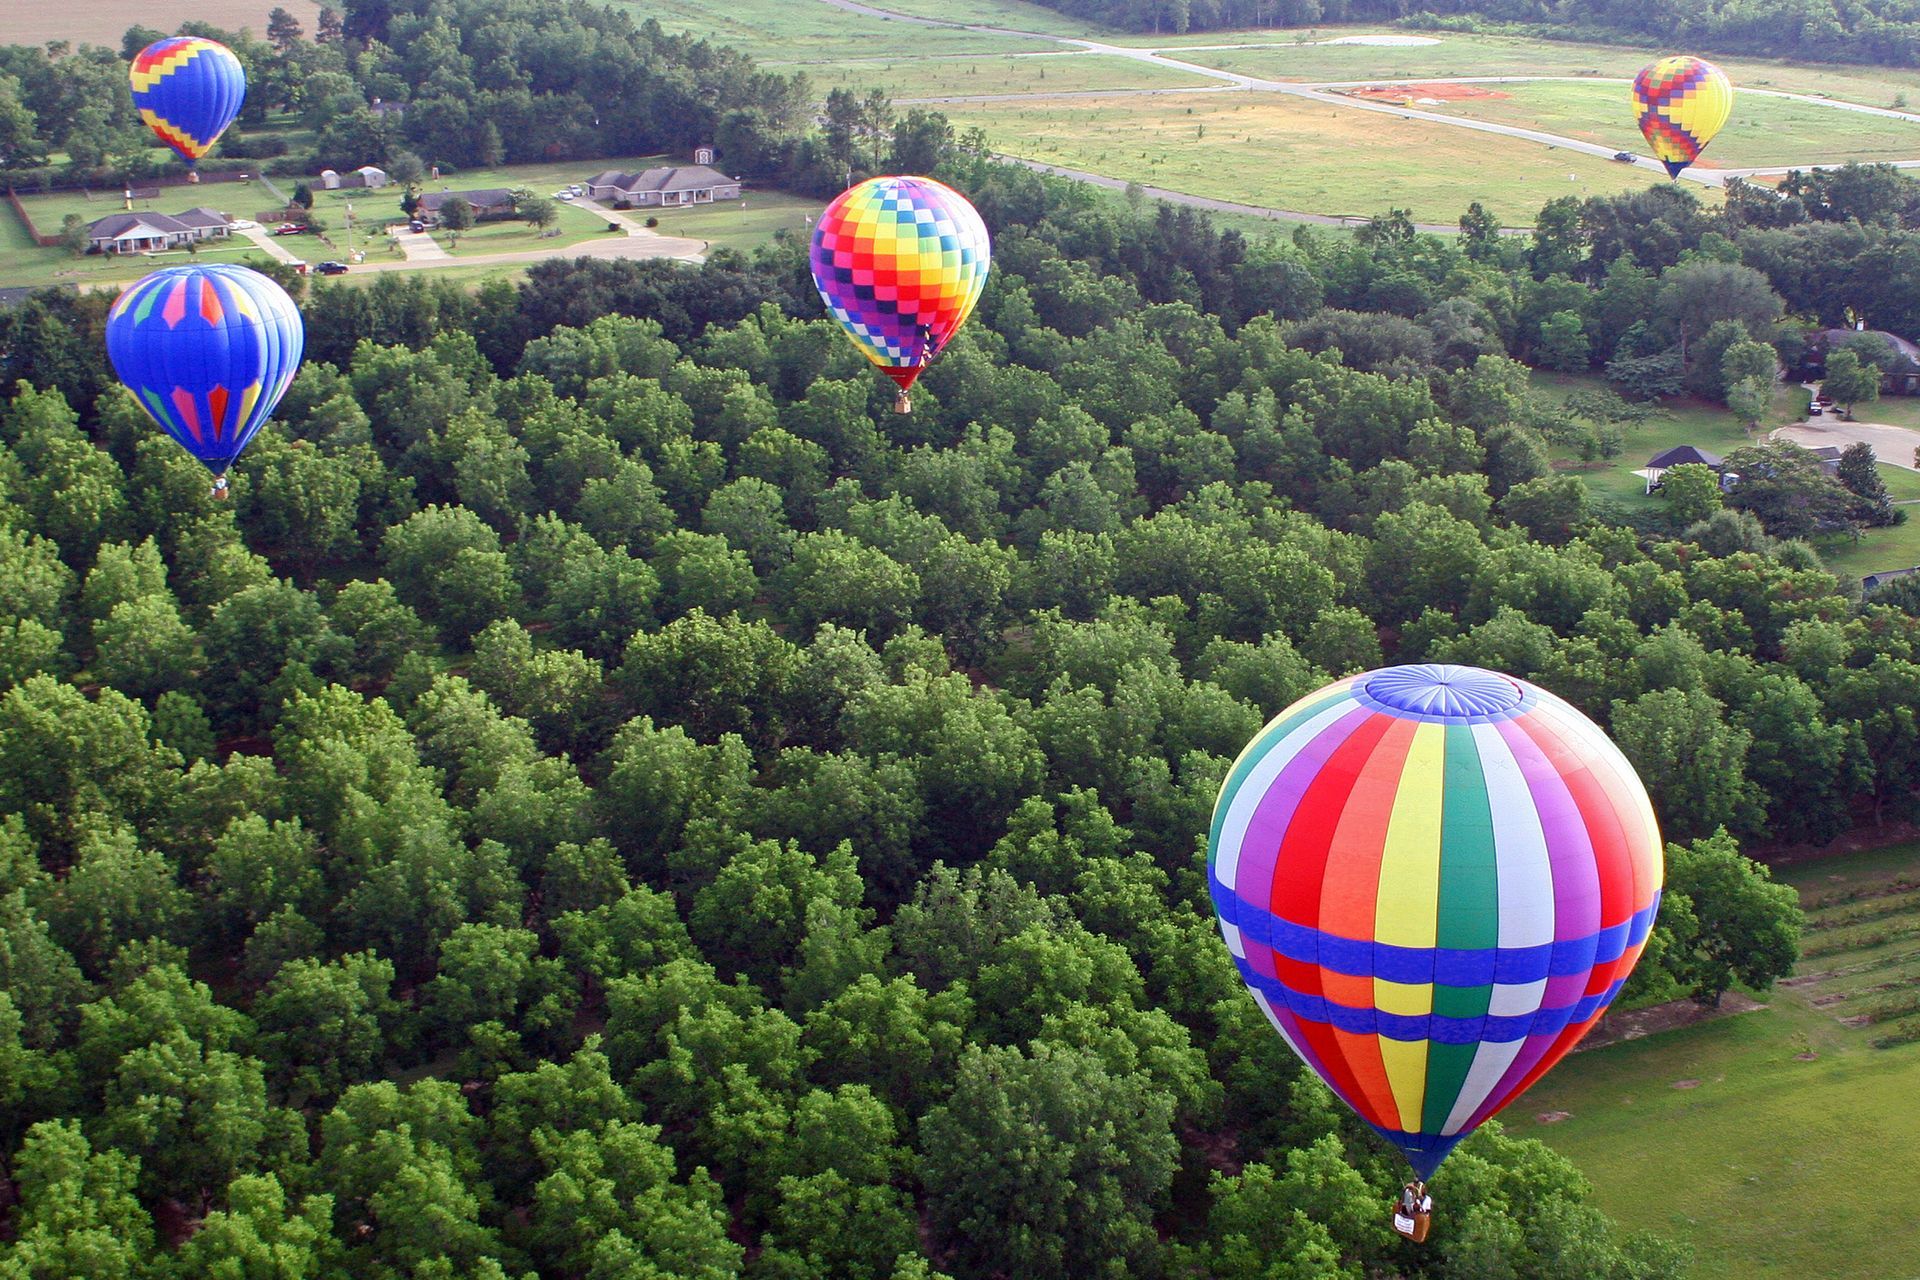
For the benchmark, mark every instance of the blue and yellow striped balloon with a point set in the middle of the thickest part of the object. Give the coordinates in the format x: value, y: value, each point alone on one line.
x: 188, y: 91
x: 1433, y: 879
x: 207, y: 351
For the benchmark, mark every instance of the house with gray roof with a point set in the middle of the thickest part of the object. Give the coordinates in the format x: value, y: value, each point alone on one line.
x: 1900, y: 378
x: 488, y: 202
x: 153, y: 232
x: 663, y: 188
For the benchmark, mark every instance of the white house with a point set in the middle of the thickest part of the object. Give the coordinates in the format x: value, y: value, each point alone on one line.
x: 149, y: 232
x: 663, y: 188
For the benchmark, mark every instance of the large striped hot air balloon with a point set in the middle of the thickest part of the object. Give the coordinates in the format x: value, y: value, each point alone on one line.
x: 900, y: 262
x: 207, y: 351
x: 188, y: 91
x: 1681, y: 103
x: 1434, y: 879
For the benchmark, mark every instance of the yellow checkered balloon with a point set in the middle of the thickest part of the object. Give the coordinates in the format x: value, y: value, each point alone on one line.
x: 1682, y: 102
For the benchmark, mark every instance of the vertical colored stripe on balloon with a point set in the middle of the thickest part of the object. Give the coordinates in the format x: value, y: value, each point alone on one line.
x: 1469, y: 916
x: 1406, y: 910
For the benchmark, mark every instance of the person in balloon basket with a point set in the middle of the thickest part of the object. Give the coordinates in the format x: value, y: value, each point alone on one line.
x: 1413, y: 1215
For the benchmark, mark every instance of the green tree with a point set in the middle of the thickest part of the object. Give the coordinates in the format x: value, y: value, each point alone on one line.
x: 1849, y: 379
x: 455, y: 216
x: 78, y: 1217
x: 1691, y: 491
x: 1099, y: 1157
x: 1860, y: 474
x: 327, y: 1025
x: 1693, y: 761
x: 1749, y: 927
x: 445, y: 562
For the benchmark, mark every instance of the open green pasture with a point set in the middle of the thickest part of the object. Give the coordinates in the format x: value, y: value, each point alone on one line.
x: 1304, y: 55
x: 1286, y: 153
x: 909, y: 77
x: 1011, y: 14
x: 1762, y: 130
x: 742, y: 224
x: 778, y: 29
x: 1774, y: 1142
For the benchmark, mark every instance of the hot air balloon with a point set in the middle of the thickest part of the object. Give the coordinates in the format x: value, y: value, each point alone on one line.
x: 188, y: 91
x: 1433, y: 879
x: 207, y: 351
x: 900, y: 262
x: 1682, y: 102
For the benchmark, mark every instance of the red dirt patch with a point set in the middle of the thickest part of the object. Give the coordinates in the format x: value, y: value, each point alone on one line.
x: 1553, y: 1117
x: 1686, y: 1084
x: 1615, y: 1027
x: 1407, y: 94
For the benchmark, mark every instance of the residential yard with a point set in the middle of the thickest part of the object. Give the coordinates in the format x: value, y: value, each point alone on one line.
x: 1771, y: 1141
x: 1291, y: 154
x: 904, y: 78
x: 755, y: 219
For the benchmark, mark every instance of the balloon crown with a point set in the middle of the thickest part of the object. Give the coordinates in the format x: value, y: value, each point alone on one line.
x: 1443, y: 691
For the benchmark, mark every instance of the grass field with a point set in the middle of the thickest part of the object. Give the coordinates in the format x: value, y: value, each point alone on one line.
x: 1000, y: 13
x: 1011, y: 73
x: 104, y: 21
x: 1774, y: 1165
x: 1761, y: 131
x: 1288, y: 154
x: 755, y: 220
x: 1289, y: 55
x: 777, y: 29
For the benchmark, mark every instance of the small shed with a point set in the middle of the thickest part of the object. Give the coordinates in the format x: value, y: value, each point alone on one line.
x: 330, y: 179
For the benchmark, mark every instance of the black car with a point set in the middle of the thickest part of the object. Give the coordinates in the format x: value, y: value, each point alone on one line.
x: 1624, y: 156
x: 332, y: 268
x: 416, y: 225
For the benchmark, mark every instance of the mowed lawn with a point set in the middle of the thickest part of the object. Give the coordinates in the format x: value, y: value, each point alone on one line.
x: 1284, y: 153
x: 906, y: 78
x: 742, y: 224
x: 1774, y: 1142
x: 778, y: 29
x: 105, y: 21
x: 1763, y: 130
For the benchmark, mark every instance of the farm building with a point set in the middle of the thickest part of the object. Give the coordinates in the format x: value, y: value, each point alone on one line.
x: 666, y: 187
x: 366, y: 176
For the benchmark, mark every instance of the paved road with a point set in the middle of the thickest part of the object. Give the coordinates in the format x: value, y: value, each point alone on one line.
x: 1891, y: 444
x: 274, y: 245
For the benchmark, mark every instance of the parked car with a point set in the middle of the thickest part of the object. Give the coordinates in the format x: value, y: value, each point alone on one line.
x: 416, y: 225
x: 563, y: 195
x: 243, y: 224
x: 331, y: 268
x: 290, y: 229
x: 1624, y: 156
x: 1816, y: 410
x: 576, y: 190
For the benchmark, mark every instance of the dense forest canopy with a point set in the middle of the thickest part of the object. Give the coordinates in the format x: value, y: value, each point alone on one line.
x: 608, y: 798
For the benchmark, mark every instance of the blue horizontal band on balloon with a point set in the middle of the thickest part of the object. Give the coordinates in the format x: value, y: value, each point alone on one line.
x: 1438, y: 1027
x: 1424, y: 1151
x: 1452, y: 966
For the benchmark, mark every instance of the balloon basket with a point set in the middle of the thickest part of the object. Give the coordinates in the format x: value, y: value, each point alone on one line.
x: 1413, y: 1212
x: 219, y: 491
x: 903, y: 403
x: 193, y: 175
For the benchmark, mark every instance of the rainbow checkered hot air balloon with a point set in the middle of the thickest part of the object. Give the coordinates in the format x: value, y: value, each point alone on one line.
x: 1433, y: 879
x: 188, y: 91
x: 900, y: 262
x: 1681, y: 102
x: 207, y: 351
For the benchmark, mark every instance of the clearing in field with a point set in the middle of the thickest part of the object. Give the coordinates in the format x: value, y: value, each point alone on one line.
x: 776, y: 29
x: 911, y: 78
x: 1763, y: 130
x: 1285, y: 153
x: 1773, y: 1142
x: 105, y: 21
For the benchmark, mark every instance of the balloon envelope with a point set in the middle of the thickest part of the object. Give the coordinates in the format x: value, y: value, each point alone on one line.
x: 1681, y: 102
x: 1433, y: 879
x: 188, y: 91
x: 900, y: 262
x: 207, y: 351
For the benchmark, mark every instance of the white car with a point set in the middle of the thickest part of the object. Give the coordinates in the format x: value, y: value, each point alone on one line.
x: 243, y: 224
x: 563, y: 195
x: 576, y: 190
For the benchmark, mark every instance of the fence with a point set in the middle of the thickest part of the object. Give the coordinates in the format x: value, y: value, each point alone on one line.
x: 26, y: 220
